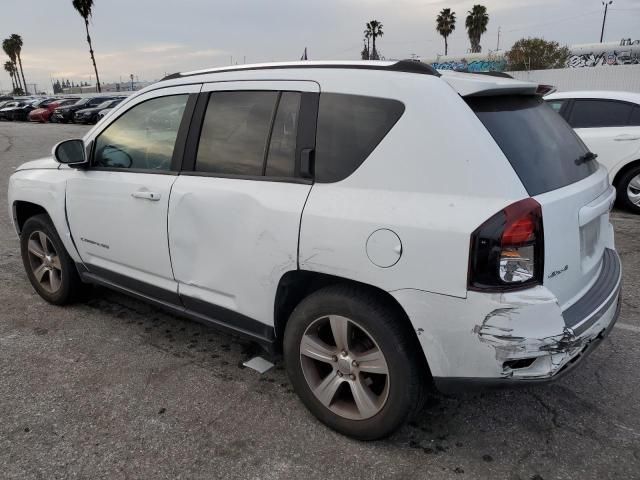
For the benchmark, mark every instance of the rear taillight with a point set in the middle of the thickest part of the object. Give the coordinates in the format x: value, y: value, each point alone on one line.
x: 507, y: 251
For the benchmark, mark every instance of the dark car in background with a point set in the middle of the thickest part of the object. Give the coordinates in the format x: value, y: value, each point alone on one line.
x: 65, y: 114
x: 15, y: 108
x: 90, y: 115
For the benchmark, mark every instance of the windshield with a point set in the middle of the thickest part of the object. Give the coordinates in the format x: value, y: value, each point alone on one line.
x: 105, y: 104
x: 542, y: 148
x: 82, y: 101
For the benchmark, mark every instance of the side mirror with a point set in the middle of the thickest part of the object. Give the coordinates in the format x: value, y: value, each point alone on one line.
x: 71, y: 152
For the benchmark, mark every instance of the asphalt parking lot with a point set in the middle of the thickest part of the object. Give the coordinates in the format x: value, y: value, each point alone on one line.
x: 113, y: 388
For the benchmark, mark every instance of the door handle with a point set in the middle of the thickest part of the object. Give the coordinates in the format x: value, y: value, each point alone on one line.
x: 154, y: 197
x: 626, y: 137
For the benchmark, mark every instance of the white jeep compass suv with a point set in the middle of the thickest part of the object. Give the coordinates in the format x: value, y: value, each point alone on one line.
x: 385, y: 226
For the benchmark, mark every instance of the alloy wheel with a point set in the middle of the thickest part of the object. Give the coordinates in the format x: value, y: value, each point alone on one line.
x: 633, y: 190
x: 344, y: 367
x: 44, y: 261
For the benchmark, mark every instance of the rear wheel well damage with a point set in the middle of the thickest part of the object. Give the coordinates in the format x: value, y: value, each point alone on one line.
x: 296, y: 285
x: 23, y: 210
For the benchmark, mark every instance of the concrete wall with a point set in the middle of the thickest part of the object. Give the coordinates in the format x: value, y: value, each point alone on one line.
x: 621, y: 77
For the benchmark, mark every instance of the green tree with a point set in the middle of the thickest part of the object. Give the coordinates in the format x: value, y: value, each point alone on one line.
x: 476, y: 23
x: 17, y: 43
x: 374, y: 30
x: 84, y: 8
x: 8, y: 66
x: 445, y: 25
x: 9, y: 47
x: 536, y: 54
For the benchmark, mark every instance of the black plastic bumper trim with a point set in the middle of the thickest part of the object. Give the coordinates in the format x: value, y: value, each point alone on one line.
x: 580, y: 316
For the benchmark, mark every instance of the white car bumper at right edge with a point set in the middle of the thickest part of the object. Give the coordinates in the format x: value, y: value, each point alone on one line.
x: 503, y: 339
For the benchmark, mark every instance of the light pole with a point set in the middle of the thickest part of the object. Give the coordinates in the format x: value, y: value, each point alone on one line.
x: 131, y: 77
x: 604, y: 19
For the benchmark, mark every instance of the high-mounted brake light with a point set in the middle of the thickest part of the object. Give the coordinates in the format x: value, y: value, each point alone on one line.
x: 507, y: 251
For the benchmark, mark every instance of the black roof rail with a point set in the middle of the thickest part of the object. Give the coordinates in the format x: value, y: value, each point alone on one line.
x: 409, y: 66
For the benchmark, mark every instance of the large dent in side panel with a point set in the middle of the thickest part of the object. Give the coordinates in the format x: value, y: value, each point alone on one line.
x: 46, y: 188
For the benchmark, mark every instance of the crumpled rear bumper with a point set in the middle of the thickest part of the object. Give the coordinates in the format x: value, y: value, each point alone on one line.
x: 515, y: 338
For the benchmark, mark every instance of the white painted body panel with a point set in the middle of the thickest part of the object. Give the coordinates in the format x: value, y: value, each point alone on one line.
x: 232, y: 240
x: 115, y: 230
x: 44, y: 187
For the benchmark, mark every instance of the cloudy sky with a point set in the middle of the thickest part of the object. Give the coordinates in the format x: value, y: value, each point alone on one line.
x: 148, y: 38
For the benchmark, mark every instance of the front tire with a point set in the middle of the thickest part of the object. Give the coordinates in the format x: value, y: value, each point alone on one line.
x: 50, y: 269
x: 353, y: 362
x: 628, y: 188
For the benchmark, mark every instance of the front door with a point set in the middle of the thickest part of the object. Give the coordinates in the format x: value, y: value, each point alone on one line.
x: 117, y: 208
x: 234, y: 213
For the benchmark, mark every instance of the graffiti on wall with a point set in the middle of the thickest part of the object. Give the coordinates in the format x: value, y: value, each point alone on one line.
x: 473, y: 66
x: 597, y: 59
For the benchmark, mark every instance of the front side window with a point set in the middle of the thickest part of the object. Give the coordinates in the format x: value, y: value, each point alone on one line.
x: 143, y: 137
x: 235, y: 132
x: 599, y: 113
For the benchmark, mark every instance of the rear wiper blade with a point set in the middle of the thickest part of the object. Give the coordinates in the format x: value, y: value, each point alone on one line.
x: 587, y: 157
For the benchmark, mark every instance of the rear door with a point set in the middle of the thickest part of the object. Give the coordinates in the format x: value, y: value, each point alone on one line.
x: 608, y: 127
x: 572, y: 189
x: 234, y: 213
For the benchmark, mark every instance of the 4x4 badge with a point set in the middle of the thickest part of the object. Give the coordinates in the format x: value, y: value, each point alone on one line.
x: 558, y: 272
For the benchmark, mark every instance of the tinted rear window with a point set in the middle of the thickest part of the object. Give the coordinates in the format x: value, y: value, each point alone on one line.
x: 350, y: 127
x: 542, y: 148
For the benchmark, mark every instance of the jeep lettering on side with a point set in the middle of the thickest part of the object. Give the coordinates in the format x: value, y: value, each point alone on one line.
x: 386, y: 227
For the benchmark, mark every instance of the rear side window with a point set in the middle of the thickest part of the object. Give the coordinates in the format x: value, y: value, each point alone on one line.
x: 281, y: 160
x: 349, y: 128
x: 235, y: 132
x: 634, y: 120
x: 542, y: 148
x: 599, y: 113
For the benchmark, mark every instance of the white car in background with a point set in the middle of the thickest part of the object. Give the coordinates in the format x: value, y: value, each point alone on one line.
x: 609, y: 123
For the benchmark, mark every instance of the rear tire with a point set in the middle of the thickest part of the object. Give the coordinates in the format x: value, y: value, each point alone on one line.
x: 628, y: 190
x: 50, y: 269
x: 368, y: 388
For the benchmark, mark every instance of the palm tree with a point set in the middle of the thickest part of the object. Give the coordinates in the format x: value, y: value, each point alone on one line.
x: 374, y: 30
x: 476, y: 23
x: 17, y: 42
x: 367, y: 49
x: 445, y: 25
x: 84, y: 8
x: 8, y: 66
x: 8, y: 45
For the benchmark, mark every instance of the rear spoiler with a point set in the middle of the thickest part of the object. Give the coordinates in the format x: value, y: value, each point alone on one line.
x: 476, y: 85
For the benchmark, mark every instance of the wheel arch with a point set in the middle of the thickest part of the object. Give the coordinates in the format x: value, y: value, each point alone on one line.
x: 23, y: 210
x: 296, y: 285
x: 623, y: 170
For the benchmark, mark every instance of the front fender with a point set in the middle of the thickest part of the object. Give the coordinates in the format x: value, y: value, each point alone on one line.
x: 47, y: 189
